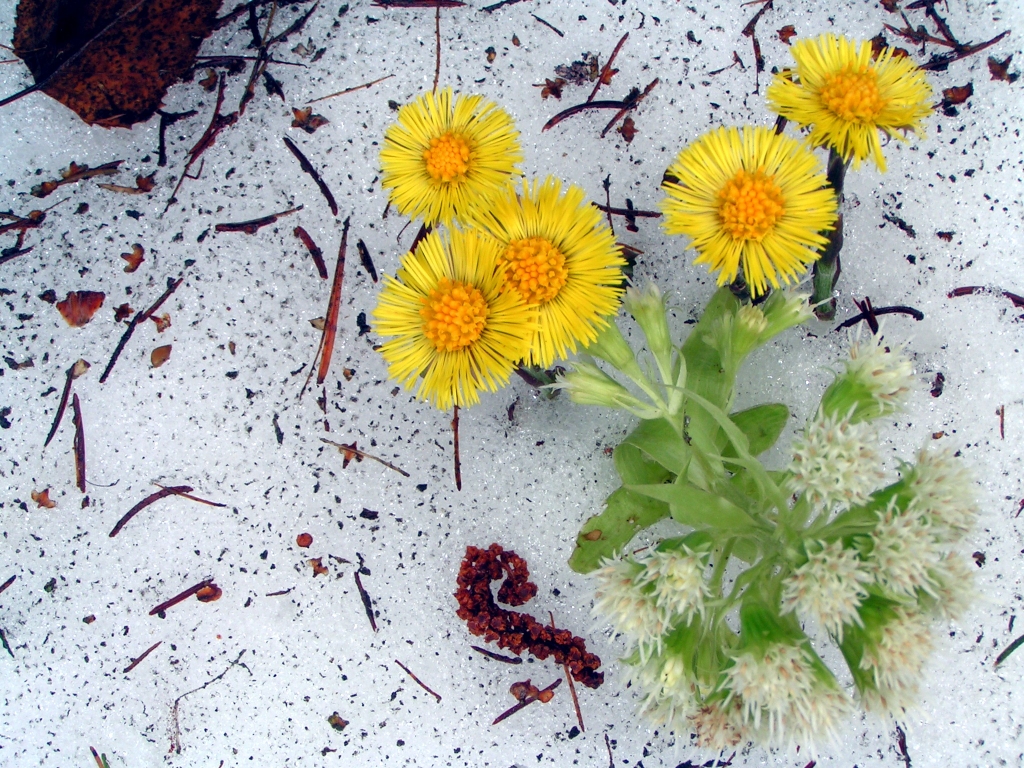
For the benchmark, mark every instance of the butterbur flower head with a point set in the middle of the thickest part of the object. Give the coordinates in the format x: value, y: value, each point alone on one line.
x: 905, y: 550
x: 846, y: 97
x: 830, y: 586
x: 667, y: 690
x: 455, y: 330
x: 835, y: 463
x: 560, y: 257
x: 678, y: 579
x: 943, y: 490
x: 953, y: 586
x: 447, y: 156
x: 750, y: 198
x: 718, y: 725
x: 876, y: 382
x: 783, y: 310
x: 622, y: 598
x: 894, y: 647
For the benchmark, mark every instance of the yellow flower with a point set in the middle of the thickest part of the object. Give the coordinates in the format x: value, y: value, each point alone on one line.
x: 447, y: 155
x: 750, y: 197
x: 453, y: 324
x: 558, y: 255
x: 847, y: 98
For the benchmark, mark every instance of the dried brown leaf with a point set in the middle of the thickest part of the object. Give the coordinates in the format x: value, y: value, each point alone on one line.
x: 160, y: 355
x: 133, y: 259
x: 79, y: 307
x: 787, y: 33
x: 42, y: 499
x: 998, y: 69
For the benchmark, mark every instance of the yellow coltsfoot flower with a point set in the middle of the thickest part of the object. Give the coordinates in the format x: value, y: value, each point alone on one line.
x: 456, y: 330
x: 845, y: 96
x: 448, y: 155
x: 558, y: 255
x: 752, y: 198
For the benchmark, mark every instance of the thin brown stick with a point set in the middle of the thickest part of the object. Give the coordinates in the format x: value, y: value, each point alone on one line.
x: 308, y: 168
x: 575, y: 110
x: 252, y: 226
x: 419, y: 682
x: 627, y: 212
x: 96, y: 757
x: 550, y: 26
x: 496, y: 656
x: 176, y: 733
x: 437, y: 36
x: 140, y: 317
x: 606, y: 70
x: 967, y: 290
x: 502, y: 4
x: 137, y: 661
x: 572, y: 686
x: 190, y: 497
x: 74, y: 372
x: 608, y: 744
x: 365, y: 455
x: 1001, y: 413
x: 180, y: 597
x: 333, y: 306
x: 6, y: 645
x: 155, y: 496
x: 630, y: 105
x: 8, y: 583
x: 525, y: 703
x: 367, y: 603
x: 79, y: 444
x: 455, y: 441
x: 314, y: 251
x: 350, y: 90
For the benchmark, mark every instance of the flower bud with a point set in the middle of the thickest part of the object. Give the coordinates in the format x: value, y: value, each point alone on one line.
x: 876, y: 382
x: 589, y: 385
x: 648, y: 309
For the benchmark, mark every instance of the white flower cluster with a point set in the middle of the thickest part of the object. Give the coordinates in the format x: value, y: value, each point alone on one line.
x: 830, y: 586
x: 835, y: 462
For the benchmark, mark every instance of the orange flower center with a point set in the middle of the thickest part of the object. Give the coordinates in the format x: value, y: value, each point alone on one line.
x: 853, y: 96
x: 454, y: 315
x: 535, y: 268
x: 750, y: 204
x: 448, y: 158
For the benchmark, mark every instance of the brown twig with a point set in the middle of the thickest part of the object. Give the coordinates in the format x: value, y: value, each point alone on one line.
x: 75, y: 173
x: 575, y: 110
x: 630, y: 104
x: 176, y: 733
x: 190, y: 497
x: 8, y: 583
x: 553, y: 28
x: 167, y: 119
x: 96, y: 757
x: 455, y: 442
x: 437, y: 36
x: 364, y: 257
x: 367, y: 604
x: 502, y: 4
x: 496, y: 656
x: 419, y: 682
x: 253, y: 226
x: 314, y: 251
x: 606, y: 70
x: 1001, y: 413
x: 333, y: 306
x: 418, y: 3
x: 76, y: 370
x: 628, y: 212
x: 217, y: 123
x: 967, y: 290
x: 350, y: 90
x: 896, y: 310
x: 140, y: 317
x: 365, y: 455
x: 608, y: 744
x: 180, y: 597
x: 137, y: 661
x: 153, y: 497
x: 6, y: 645
x: 572, y: 685
x: 79, y: 444
x: 525, y: 702
x: 308, y: 168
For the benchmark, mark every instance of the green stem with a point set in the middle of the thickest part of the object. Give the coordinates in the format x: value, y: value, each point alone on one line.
x: 715, y: 582
x: 828, y: 268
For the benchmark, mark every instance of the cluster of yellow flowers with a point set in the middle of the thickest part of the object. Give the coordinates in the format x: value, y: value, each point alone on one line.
x: 756, y: 199
x: 521, y: 274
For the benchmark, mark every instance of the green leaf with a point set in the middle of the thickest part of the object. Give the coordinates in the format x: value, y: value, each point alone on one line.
x: 659, y: 440
x: 762, y: 425
x: 634, y: 466
x: 607, y: 534
x: 697, y: 508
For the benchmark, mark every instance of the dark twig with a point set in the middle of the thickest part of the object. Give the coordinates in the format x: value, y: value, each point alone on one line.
x: 419, y: 682
x: 8, y: 583
x: 607, y: 184
x: 180, y: 597
x: 418, y: 3
x: 365, y: 455
x: 167, y: 119
x: 79, y: 444
x: 455, y: 442
x: 367, y: 604
x: 308, y: 168
x: 253, y: 226
x: 1009, y: 649
x: 76, y: 370
x: 606, y: 70
x: 190, y: 497
x: 100, y: 763
x: 333, y: 306
x: 140, y: 317
x: 525, y: 702
x: 554, y: 29
x: 502, y: 4
x: 155, y: 496
x: 496, y: 656
x: 627, y: 212
x: 314, y: 251
x: 572, y: 685
x: 176, y: 734
x: 575, y: 110
x: 3, y: 641
x: 350, y: 90
x: 631, y: 103
x: 137, y: 661
x: 364, y: 257
x: 967, y: 290
x: 608, y: 744
x: 896, y: 310
x: 437, y: 37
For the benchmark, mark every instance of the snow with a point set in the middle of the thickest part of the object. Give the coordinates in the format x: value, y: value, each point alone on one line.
x: 241, y: 337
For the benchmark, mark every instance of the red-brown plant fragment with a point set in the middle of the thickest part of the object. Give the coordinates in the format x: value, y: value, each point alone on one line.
x: 42, y: 498
x: 79, y: 307
x: 160, y: 355
x: 307, y: 121
x: 304, y: 540
x: 133, y: 259
x: 318, y: 566
x: 163, y: 322
x: 958, y: 94
x: 209, y: 593
x: 122, y: 312
x: 998, y: 69
x: 787, y: 33
x: 516, y: 632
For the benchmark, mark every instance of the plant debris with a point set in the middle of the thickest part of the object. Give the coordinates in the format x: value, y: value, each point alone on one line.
x: 419, y: 682
x: 174, y: 490
x: 254, y: 225
x: 140, y: 317
x: 78, y: 307
x: 133, y: 259
x: 42, y: 499
x: 76, y: 370
x: 307, y: 121
x: 351, y: 451
x: 74, y: 174
x: 79, y: 442
x: 367, y: 603
x: 181, y: 597
x: 143, y: 184
x: 160, y: 355
x: 138, y: 660
x: 314, y: 251
x: 514, y: 631
x: 527, y: 693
